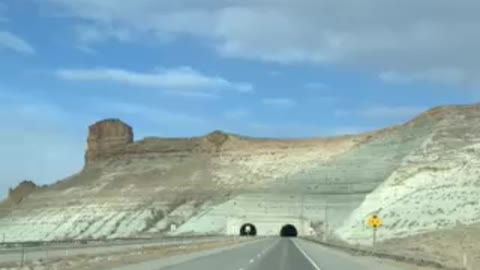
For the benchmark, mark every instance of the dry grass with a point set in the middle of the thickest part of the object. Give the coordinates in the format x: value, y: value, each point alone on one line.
x: 116, y: 259
x: 444, y: 246
x: 121, y: 259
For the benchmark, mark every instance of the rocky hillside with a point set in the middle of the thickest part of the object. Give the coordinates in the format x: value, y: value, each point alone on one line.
x: 435, y: 186
x: 418, y: 176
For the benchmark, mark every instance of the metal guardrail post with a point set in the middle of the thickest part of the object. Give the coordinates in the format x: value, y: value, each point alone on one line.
x: 22, y: 258
x: 46, y: 252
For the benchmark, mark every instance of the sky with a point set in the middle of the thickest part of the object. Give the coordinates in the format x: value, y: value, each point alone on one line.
x: 269, y: 68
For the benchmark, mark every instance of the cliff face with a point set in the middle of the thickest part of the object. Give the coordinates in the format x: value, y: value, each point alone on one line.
x: 403, y: 171
x: 20, y: 192
x: 112, y: 139
x: 107, y: 138
x: 436, y: 186
x: 123, y: 181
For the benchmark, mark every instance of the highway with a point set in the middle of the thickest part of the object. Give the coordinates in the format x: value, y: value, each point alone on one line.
x: 279, y: 254
x: 272, y: 253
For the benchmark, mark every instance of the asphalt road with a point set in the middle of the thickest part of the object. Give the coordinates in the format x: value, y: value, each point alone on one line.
x: 280, y: 254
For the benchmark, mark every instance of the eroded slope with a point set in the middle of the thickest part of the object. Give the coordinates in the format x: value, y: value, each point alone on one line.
x: 436, y: 186
x: 417, y: 176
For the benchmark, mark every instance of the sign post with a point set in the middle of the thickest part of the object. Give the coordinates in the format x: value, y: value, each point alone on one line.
x: 374, y: 222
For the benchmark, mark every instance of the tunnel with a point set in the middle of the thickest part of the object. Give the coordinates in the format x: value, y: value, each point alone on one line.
x: 248, y: 229
x: 288, y: 231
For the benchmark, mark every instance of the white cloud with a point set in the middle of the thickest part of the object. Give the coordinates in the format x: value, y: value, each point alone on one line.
x: 279, y: 102
x: 15, y: 43
x: 181, y: 79
x: 407, y: 37
x: 193, y: 94
x: 88, y: 34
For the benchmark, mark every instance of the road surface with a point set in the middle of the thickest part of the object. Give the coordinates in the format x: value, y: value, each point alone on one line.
x: 279, y: 254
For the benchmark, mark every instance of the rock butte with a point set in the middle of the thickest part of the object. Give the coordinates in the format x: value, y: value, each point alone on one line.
x: 419, y: 176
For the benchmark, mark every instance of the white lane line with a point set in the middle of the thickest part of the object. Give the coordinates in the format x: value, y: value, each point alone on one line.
x: 306, y: 256
x: 262, y: 252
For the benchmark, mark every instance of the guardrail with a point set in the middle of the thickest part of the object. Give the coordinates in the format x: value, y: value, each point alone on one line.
x: 103, y: 240
x: 79, y: 244
x: 46, y: 248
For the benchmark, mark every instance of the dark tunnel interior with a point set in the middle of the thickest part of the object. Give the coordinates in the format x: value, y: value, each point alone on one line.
x: 248, y: 229
x: 288, y: 231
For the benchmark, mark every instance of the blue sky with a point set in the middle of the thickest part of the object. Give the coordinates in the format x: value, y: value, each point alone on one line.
x: 185, y: 68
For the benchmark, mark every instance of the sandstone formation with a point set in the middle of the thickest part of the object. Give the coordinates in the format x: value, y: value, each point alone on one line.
x: 20, y: 192
x: 105, y: 138
x: 419, y: 176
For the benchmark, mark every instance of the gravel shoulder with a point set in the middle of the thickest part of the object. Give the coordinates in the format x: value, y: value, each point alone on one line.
x: 454, y: 248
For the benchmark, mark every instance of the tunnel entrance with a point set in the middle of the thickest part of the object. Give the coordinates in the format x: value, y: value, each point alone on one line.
x: 248, y: 229
x: 288, y: 231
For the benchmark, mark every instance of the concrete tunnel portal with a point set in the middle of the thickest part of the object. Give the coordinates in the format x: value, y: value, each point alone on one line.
x: 288, y: 231
x: 248, y: 229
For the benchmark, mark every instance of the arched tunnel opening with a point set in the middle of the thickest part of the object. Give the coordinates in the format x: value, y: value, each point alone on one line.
x: 248, y: 229
x: 288, y: 231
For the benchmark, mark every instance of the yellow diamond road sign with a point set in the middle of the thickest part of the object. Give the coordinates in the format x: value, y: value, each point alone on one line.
x: 374, y: 221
